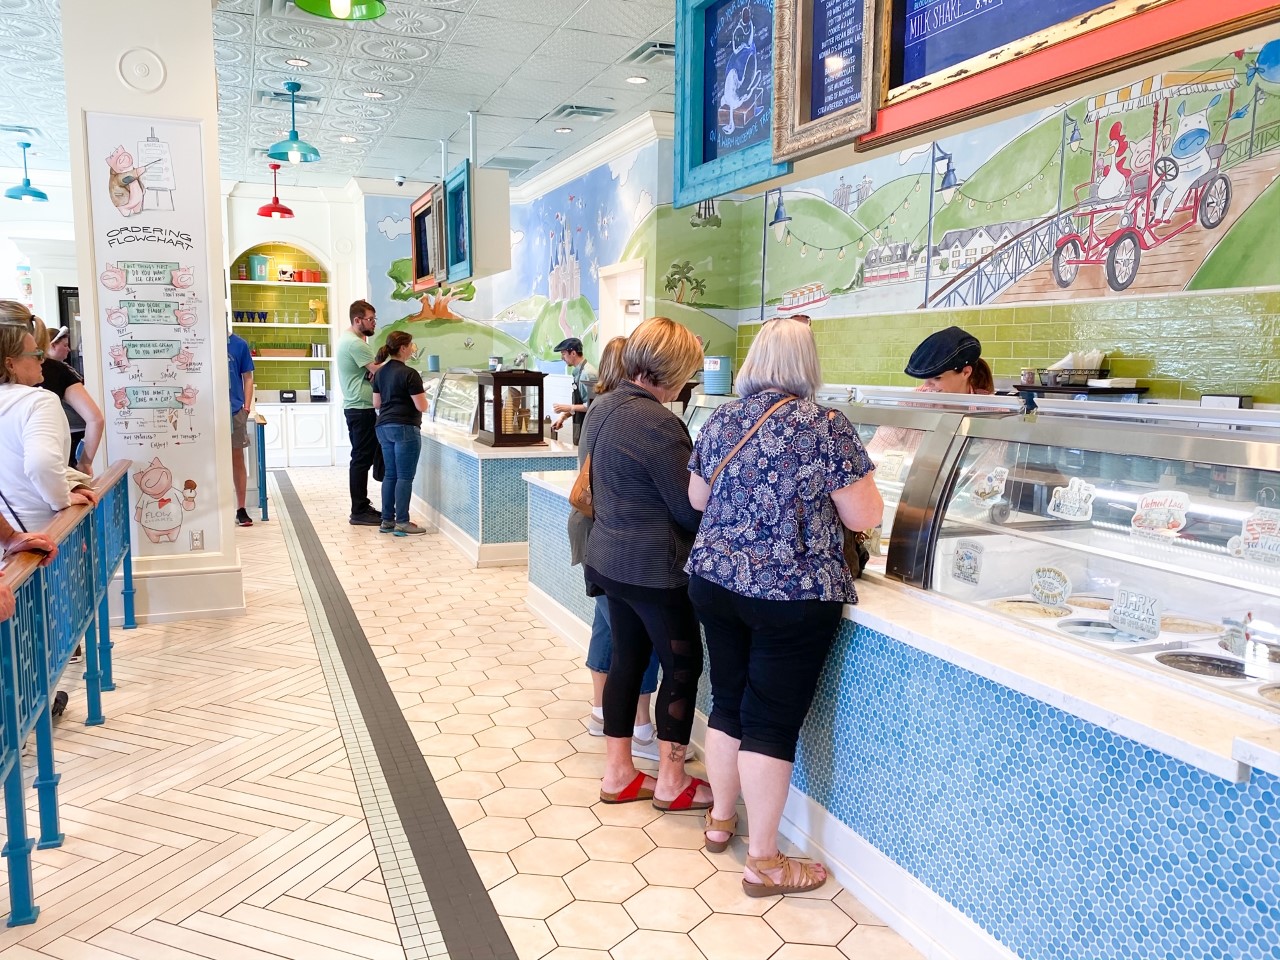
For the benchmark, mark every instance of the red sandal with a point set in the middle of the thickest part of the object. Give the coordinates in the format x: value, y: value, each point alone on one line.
x: 633, y: 791
x: 685, y: 800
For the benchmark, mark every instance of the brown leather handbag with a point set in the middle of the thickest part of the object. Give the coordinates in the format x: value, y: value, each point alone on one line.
x: 580, y: 493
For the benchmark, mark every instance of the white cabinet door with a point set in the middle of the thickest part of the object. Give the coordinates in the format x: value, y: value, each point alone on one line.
x: 310, y: 438
x: 275, y: 435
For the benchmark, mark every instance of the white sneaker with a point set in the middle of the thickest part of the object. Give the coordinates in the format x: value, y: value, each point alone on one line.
x: 645, y: 749
x: 595, y: 726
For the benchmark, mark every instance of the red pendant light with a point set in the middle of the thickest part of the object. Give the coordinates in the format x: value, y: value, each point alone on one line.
x: 275, y: 209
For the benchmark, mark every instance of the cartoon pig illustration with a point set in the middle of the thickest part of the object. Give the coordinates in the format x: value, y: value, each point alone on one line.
x: 121, y: 398
x: 185, y: 318
x: 1190, y: 150
x: 124, y: 183
x: 113, y: 278
x: 118, y: 358
x: 160, y: 504
x: 117, y: 317
x: 183, y: 278
x: 188, y: 396
x: 184, y: 359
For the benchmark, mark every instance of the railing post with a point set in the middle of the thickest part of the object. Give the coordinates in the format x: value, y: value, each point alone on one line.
x: 103, y: 614
x: 261, y: 431
x: 126, y: 595
x: 46, y: 782
x: 17, y: 849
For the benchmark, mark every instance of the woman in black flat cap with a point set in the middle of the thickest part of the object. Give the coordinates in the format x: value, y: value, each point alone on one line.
x: 950, y: 361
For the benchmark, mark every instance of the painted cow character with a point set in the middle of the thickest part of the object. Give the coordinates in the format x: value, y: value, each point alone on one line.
x: 160, y: 504
x: 1190, y: 150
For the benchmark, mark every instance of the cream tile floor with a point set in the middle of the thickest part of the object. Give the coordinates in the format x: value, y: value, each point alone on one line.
x: 215, y: 814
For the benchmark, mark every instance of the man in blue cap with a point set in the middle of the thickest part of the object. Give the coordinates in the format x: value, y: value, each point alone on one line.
x: 584, y: 378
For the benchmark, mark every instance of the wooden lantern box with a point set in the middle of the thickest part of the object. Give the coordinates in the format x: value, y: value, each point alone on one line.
x: 511, y: 408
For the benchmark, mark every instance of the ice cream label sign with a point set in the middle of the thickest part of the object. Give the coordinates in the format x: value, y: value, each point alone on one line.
x: 1160, y: 515
x: 1259, y: 537
x: 1134, y: 613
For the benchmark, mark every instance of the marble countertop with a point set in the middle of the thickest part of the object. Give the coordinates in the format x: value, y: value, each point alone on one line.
x: 557, y: 481
x: 1216, y: 736
x: 481, y: 451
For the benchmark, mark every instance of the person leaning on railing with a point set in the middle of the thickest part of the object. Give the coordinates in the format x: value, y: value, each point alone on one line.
x: 13, y: 542
x: 35, y: 442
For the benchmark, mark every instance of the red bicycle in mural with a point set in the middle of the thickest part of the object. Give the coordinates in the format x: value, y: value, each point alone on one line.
x: 1131, y: 203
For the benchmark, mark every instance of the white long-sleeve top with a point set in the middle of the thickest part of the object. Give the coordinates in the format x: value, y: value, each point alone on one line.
x: 35, y: 446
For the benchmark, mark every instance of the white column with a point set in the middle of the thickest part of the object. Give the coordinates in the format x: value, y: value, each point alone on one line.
x: 142, y: 105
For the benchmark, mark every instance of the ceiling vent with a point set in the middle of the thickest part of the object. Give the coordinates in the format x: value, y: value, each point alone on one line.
x: 652, y: 52
x: 574, y: 111
x: 279, y: 100
x: 29, y: 133
x: 513, y: 164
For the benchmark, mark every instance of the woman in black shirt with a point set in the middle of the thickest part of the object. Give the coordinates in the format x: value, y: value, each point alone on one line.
x: 400, y: 399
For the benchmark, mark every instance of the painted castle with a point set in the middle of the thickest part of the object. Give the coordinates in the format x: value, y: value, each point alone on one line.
x: 564, y: 276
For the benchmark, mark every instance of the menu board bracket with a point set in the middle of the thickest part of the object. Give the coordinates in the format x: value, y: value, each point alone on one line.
x: 827, y: 77
x: 724, y: 99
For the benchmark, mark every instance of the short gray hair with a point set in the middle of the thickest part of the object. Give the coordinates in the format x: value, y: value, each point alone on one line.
x: 783, y: 356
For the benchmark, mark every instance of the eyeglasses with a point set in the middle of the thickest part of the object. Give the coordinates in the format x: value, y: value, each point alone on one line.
x: 38, y: 354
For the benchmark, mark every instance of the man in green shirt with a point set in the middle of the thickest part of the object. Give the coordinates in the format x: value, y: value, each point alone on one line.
x: 355, y: 368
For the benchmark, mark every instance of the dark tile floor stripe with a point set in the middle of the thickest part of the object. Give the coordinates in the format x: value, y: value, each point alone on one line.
x: 467, y: 918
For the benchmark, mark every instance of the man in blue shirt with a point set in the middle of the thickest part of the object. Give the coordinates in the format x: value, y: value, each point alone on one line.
x: 240, y: 382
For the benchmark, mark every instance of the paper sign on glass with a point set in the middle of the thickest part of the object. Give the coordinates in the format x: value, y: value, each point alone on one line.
x: 966, y: 563
x: 1259, y: 537
x: 1050, y: 586
x: 1073, y: 502
x: 1161, y: 514
x: 1134, y: 613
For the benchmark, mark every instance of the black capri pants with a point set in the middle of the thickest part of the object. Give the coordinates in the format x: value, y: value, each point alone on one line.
x: 766, y: 657
x: 645, y: 619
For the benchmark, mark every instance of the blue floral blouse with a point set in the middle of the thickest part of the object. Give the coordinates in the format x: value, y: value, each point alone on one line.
x: 771, y: 530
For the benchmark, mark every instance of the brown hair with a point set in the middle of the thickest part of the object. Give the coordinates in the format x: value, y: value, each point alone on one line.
x: 662, y: 352
x: 981, y: 380
x: 360, y: 307
x: 11, y: 311
x: 611, y: 372
x: 41, y: 333
x: 13, y: 341
x: 396, y: 341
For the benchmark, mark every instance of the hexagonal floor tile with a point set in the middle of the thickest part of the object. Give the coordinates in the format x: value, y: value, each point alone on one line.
x: 534, y: 898
x: 497, y: 834
x: 432, y: 712
x: 448, y: 745
x: 494, y: 688
x: 620, y: 844
x: 529, y: 698
x: 670, y: 909
x: 800, y: 920
x: 858, y: 910
x: 492, y: 867
x: 652, y: 944
x: 723, y: 936
x: 482, y: 705
x: 877, y: 943
x: 580, y: 764
x: 517, y: 716
x: 469, y: 785
x: 549, y: 751
x: 529, y: 773
x: 626, y: 814
x: 465, y: 724
x: 723, y: 893
x: 591, y: 925
x: 604, y: 881
x: 576, y: 953
x: 503, y: 737
x: 441, y: 767
x: 543, y: 681
x: 531, y: 938
x: 563, y: 823
x: 514, y: 802
x: 807, y: 951
x: 678, y: 830
x: 545, y: 855
x: 574, y: 792
x: 490, y: 759
x: 674, y: 868
x: 463, y: 811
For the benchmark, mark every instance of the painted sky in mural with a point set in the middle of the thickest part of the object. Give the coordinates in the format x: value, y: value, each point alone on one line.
x: 386, y: 239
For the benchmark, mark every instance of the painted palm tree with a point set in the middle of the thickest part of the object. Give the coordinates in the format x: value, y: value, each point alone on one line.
x: 678, y: 278
x: 697, y: 287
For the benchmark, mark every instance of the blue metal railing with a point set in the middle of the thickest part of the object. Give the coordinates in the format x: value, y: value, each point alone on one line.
x: 58, y: 608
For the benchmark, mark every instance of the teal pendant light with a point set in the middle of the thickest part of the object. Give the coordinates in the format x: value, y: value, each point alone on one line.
x: 343, y: 9
x: 293, y: 150
x: 25, y: 191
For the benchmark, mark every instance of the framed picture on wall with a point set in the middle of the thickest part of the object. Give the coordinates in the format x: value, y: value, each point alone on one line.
x: 825, y: 76
x: 457, y: 207
x: 424, y: 237
x: 724, y: 98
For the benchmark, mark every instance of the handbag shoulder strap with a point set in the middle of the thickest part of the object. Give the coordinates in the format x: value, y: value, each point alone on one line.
x: 586, y: 461
x: 724, y: 462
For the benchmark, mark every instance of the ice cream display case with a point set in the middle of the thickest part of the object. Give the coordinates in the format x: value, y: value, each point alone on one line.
x: 1155, y: 540
x: 699, y: 411
x: 454, y: 401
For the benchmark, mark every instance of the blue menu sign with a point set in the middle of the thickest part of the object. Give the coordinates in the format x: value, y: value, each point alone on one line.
x: 835, y: 70
x: 737, y: 76
x: 936, y: 34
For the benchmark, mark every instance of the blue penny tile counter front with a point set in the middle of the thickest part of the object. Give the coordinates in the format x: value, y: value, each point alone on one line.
x: 450, y: 484
x: 505, y: 513
x: 1061, y: 839
x: 549, y: 568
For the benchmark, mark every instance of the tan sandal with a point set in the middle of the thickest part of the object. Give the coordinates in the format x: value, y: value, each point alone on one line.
x: 797, y: 876
x: 728, y: 826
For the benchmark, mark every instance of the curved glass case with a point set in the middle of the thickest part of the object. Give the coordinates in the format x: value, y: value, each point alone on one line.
x: 457, y: 400
x: 1158, y: 542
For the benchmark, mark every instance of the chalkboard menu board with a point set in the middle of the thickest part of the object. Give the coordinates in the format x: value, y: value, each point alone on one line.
x: 932, y: 35
x: 737, y: 76
x: 835, y: 68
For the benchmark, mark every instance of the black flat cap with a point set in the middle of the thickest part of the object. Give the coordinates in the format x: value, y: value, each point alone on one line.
x: 569, y: 343
x: 949, y: 349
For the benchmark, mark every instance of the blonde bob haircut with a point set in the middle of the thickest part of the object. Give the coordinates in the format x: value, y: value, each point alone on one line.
x: 610, y: 374
x: 13, y: 343
x: 662, y: 352
x: 783, y: 357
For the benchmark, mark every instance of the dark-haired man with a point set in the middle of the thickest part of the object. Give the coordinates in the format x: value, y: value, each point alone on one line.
x: 584, y: 378
x: 355, y: 366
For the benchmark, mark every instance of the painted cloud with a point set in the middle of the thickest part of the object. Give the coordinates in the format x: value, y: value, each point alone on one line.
x: 393, y: 227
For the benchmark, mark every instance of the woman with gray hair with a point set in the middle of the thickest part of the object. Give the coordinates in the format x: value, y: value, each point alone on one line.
x: 776, y: 475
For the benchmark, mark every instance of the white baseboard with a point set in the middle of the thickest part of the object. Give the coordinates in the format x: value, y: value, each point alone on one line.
x: 479, y: 554
x: 174, y: 597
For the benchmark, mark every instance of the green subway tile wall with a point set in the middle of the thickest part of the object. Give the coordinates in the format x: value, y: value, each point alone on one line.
x: 1179, y: 346
x: 286, y: 303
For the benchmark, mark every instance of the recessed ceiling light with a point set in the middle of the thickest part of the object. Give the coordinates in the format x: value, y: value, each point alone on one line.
x: 374, y: 94
x: 564, y: 129
x: 637, y: 80
x: 346, y: 139
x: 298, y: 62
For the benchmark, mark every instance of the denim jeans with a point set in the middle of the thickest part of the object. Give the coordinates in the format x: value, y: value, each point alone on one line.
x: 401, y: 444
x: 600, y: 650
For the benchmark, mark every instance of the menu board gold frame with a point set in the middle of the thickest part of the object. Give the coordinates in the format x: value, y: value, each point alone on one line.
x: 801, y: 124
x: 1103, y: 14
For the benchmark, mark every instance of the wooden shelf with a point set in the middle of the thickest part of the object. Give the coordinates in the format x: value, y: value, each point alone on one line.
x: 257, y: 358
x: 275, y: 283
x: 287, y: 326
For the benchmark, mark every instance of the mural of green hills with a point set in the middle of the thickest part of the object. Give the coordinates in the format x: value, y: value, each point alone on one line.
x: 721, y: 339
x: 458, y: 343
x: 557, y: 319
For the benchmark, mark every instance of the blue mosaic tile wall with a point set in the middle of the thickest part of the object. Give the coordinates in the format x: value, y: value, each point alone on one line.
x: 1062, y: 840
x: 449, y: 481
x: 549, y: 568
x: 505, y: 518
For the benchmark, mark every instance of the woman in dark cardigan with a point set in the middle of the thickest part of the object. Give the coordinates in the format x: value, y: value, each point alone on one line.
x: 643, y: 531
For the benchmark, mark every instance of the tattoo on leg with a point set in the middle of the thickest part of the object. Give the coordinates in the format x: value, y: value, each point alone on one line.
x: 677, y: 752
